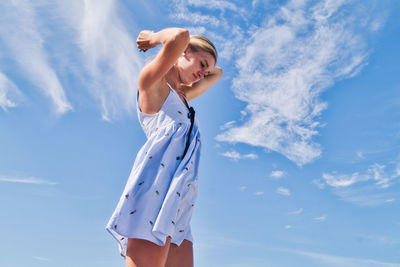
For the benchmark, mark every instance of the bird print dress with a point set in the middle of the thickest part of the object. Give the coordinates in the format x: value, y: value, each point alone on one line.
x: 160, y: 193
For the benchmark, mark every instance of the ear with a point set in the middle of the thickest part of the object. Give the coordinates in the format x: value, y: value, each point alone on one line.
x: 188, y: 50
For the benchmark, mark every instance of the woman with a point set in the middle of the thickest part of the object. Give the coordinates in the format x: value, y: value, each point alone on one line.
x: 151, y: 221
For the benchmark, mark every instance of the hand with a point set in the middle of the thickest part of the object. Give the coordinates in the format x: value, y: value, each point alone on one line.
x: 146, y: 40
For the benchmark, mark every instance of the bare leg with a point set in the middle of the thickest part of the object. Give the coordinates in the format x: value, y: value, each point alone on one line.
x: 181, y: 256
x: 143, y: 253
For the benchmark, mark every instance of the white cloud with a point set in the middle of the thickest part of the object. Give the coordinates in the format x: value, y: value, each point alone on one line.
x: 234, y: 155
x: 111, y: 59
x: 26, y: 180
x: 320, y: 219
x: 319, y: 183
x: 341, y: 180
x: 242, y: 188
x: 182, y: 12
x: 371, y: 187
x: 296, y: 54
x: 360, y: 154
x: 283, y: 191
x: 214, y: 4
x: 288, y: 227
x: 22, y: 37
x: 227, y: 125
x: 367, y: 195
x: 376, y: 172
x: 8, y: 93
x: 259, y: 193
x: 277, y: 174
x: 296, y: 212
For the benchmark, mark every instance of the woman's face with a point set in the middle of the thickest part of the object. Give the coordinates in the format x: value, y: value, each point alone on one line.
x: 193, y: 66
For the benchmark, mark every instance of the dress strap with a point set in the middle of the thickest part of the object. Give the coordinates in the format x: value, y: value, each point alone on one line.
x: 191, y: 117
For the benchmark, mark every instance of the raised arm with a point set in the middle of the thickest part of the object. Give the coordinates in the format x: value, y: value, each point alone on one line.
x: 198, y: 88
x: 151, y: 89
x: 174, y: 41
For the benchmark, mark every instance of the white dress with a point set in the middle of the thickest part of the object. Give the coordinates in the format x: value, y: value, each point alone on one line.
x: 159, y: 195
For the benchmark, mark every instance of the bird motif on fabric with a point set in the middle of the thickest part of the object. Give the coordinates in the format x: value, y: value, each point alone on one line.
x: 127, y: 195
x: 141, y: 183
x: 179, y: 194
x: 133, y: 212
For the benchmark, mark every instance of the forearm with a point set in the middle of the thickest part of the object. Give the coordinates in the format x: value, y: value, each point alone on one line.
x: 203, y: 85
x: 170, y: 35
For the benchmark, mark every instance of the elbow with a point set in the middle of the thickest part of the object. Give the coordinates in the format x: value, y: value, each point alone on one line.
x: 181, y: 36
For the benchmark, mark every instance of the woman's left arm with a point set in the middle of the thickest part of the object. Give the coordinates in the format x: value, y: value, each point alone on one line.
x: 198, y: 88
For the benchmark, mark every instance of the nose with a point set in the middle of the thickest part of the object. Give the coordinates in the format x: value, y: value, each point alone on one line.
x: 201, y: 74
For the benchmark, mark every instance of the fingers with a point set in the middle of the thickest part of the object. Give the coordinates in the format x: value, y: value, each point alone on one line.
x: 144, y: 40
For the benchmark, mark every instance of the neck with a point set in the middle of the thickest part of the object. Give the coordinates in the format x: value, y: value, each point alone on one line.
x: 172, y: 77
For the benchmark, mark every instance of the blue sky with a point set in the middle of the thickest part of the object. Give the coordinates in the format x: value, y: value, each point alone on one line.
x: 301, y: 154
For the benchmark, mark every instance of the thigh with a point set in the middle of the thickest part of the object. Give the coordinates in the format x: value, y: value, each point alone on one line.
x: 143, y: 253
x: 181, y: 256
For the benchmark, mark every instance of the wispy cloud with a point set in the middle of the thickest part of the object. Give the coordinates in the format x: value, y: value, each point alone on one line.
x: 21, y: 36
x: 112, y: 62
x: 259, y: 193
x: 333, y: 260
x: 9, y: 93
x: 183, y: 13
x: 242, y: 188
x: 367, y: 188
x: 318, y: 183
x: 296, y: 212
x: 321, y: 218
x: 227, y: 125
x: 360, y: 154
x: 375, y: 173
x: 234, y: 155
x: 297, y: 53
x: 214, y: 4
x: 277, y: 174
x: 366, y: 195
x: 41, y: 258
x: 26, y: 180
x: 283, y: 191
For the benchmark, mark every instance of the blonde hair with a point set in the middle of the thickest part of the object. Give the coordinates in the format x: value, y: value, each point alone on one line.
x: 200, y: 43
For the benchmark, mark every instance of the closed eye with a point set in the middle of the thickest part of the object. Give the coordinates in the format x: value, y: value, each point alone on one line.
x: 202, y: 65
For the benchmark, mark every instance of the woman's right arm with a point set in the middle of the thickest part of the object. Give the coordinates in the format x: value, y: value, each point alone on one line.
x: 174, y: 41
